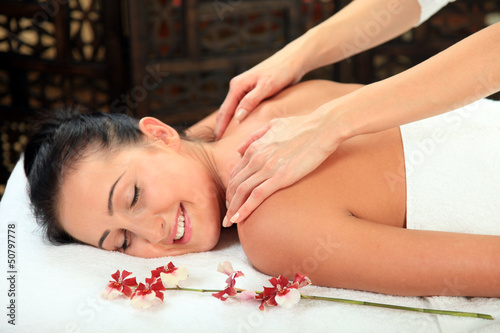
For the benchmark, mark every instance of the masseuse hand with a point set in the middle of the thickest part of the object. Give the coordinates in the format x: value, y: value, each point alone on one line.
x: 264, y: 80
x: 275, y: 157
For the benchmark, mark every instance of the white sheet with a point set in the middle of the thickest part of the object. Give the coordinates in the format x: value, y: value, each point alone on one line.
x: 57, y: 290
x: 447, y: 159
x: 429, y: 8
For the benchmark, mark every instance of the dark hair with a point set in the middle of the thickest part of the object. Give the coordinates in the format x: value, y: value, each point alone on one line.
x: 61, y: 140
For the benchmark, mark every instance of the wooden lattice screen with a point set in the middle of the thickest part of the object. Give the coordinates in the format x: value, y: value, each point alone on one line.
x: 60, y: 52
x: 55, y: 53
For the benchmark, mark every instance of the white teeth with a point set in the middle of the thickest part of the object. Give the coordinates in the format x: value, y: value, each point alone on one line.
x: 180, y: 226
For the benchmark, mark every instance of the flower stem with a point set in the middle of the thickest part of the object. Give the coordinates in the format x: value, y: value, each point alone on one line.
x: 349, y: 301
x: 197, y: 290
x: 238, y: 290
x: 399, y: 307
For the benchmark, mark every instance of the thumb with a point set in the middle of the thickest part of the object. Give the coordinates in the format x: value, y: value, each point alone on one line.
x: 250, y: 102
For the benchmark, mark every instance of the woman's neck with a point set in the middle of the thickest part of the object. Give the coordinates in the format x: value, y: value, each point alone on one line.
x: 218, y: 158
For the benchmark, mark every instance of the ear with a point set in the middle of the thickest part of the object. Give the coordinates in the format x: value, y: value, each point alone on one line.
x: 156, y: 130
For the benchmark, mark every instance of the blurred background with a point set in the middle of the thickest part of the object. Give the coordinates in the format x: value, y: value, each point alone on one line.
x: 173, y: 59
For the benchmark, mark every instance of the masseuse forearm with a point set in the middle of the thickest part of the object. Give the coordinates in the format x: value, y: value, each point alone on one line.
x: 463, y: 73
x: 359, y: 26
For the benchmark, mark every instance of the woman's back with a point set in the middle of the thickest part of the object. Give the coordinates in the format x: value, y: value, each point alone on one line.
x: 344, y: 224
x: 364, y: 178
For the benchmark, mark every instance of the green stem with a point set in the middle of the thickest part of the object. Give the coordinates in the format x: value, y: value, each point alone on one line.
x: 399, y: 307
x: 343, y: 300
x: 197, y: 290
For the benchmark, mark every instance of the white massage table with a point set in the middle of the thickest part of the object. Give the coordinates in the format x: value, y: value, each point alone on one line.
x: 57, y: 290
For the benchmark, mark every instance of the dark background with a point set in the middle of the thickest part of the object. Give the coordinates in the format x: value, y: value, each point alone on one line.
x: 173, y: 59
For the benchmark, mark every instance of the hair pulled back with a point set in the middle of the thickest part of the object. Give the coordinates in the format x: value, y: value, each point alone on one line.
x: 61, y: 140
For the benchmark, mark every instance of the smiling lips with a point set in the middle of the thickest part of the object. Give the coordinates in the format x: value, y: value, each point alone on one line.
x: 180, y: 225
x: 183, y: 229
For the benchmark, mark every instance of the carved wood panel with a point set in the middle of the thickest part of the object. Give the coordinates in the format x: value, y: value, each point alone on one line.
x: 55, y: 53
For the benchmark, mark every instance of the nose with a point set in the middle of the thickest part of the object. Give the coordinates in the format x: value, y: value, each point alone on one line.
x: 152, y: 229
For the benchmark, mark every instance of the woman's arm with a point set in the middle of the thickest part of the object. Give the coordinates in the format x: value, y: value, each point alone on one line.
x: 463, y: 73
x: 347, y: 252
x: 359, y: 26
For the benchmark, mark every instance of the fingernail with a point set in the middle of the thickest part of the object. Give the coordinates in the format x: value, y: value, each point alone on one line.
x: 235, y: 218
x: 226, y: 223
x: 227, y: 204
x: 241, y: 114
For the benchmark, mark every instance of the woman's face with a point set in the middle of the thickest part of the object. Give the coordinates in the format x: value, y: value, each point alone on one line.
x: 137, y: 200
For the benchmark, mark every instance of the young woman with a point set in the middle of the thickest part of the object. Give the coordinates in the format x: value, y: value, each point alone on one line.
x: 103, y: 180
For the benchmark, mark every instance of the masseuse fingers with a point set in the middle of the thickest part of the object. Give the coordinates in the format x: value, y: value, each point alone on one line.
x: 251, y: 139
x: 249, y: 187
x: 243, y: 189
x: 257, y: 153
x: 223, y: 119
x: 246, y: 92
x: 244, y: 208
x: 238, y: 88
x: 244, y: 171
x: 249, y: 164
x: 251, y: 100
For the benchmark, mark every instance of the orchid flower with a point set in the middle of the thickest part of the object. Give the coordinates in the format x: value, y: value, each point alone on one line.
x: 120, y: 286
x: 227, y: 268
x: 145, y: 294
x: 283, y: 292
x: 170, y: 275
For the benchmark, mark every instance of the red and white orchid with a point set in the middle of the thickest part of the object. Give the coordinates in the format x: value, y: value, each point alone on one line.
x: 170, y: 275
x: 227, y: 268
x: 120, y: 286
x: 145, y: 294
x: 283, y: 292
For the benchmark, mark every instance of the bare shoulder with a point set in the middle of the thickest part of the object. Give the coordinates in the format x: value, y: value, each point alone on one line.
x: 315, y: 92
x: 287, y: 229
x: 305, y: 96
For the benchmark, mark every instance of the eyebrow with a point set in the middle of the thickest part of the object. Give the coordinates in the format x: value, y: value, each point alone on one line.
x: 110, y: 199
x: 103, y: 237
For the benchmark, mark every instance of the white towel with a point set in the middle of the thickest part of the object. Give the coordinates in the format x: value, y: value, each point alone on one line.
x: 57, y: 290
x: 453, y: 170
x: 429, y: 8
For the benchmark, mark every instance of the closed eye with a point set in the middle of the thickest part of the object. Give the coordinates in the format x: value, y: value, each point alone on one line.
x: 125, y: 245
x: 137, y: 194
